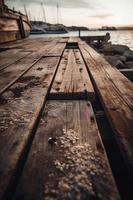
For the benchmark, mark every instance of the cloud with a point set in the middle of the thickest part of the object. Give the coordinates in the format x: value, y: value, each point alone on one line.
x: 62, y: 3
x: 101, y: 16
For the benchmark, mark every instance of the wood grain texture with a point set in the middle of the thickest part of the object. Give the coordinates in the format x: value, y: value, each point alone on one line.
x: 15, y: 69
x: 72, y: 80
x: 116, y: 94
x: 11, y: 56
x: 19, y: 110
x: 76, y: 167
x: 57, y: 49
x: 28, y: 43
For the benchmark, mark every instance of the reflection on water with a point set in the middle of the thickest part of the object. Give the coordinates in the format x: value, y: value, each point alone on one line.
x: 117, y: 37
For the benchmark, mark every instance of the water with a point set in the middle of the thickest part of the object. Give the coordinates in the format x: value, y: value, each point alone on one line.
x: 117, y: 37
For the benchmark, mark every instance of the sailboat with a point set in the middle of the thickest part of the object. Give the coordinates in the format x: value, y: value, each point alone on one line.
x: 56, y: 28
x: 13, y: 25
x: 47, y: 28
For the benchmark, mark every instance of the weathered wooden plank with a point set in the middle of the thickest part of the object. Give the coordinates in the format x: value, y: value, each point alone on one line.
x: 21, y: 44
x: 116, y: 94
x: 12, y: 44
x: 122, y: 84
x: 84, y: 76
x: 31, y: 44
x: 62, y: 40
x: 54, y: 47
x: 36, y: 45
x: 76, y: 166
x: 19, y: 110
x: 9, y: 57
x: 43, y: 46
x: 57, y: 49
x: 14, y: 70
x: 72, y: 80
x: 73, y: 39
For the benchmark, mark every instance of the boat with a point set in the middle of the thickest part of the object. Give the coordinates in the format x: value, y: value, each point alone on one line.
x: 55, y: 29
x: 108, y: 28
x: 42, y: 27
x: 46, y: 28
x: 13, y: 24
x: 37, y: 30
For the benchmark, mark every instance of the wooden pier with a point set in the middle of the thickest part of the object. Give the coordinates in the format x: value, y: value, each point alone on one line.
x: 54, y: 94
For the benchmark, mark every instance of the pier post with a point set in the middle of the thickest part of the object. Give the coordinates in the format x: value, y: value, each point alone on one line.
x: 79, y: 33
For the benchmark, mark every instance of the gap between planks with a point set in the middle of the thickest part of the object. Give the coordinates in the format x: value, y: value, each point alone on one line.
x: 85, y: 171
x: 14, y: 144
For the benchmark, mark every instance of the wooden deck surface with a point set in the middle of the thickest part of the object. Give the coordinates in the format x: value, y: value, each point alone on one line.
x: 116, y: 93
x: 75, y: 168
x: 72, y: 80
x: 50, y: 143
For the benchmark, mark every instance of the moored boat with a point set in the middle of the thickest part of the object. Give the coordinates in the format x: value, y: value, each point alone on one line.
x: 37, y: 30
x: 46, y: 28
x: 56, y: 29
x: 13, y: 25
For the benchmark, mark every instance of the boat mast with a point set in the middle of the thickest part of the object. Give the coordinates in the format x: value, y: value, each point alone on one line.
x: 43, y: 10
x: 2, y: 5
x: 25, y: 10
x: 29, y: 13
x: 57, y: 13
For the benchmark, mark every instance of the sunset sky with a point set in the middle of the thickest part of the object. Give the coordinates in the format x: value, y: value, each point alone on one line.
x: 88, y: 13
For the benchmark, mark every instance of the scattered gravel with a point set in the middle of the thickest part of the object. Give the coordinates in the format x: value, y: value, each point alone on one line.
x: 76, y: 166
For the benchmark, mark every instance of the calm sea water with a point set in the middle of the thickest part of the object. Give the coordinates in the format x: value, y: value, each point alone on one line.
x: 117, y: 37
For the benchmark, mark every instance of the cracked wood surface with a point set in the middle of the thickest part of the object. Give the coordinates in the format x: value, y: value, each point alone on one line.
x: 76, y: 167
x: 116, y: 94
x: 72, y: 80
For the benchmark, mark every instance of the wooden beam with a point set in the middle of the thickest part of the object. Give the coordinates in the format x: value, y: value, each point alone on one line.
x: 20, y: 108
x: 10, y: 57
x: 116, y: 94
x: 72, y: 80
x: 15, y: 70
x: 57, y: 49
x: 74, y: 165
x: 32, y: 44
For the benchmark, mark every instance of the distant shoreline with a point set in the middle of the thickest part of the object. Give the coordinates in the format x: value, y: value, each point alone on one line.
x: 83, y: 28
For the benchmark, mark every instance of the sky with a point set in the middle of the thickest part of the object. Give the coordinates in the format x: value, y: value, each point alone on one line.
x: 90, y: 13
